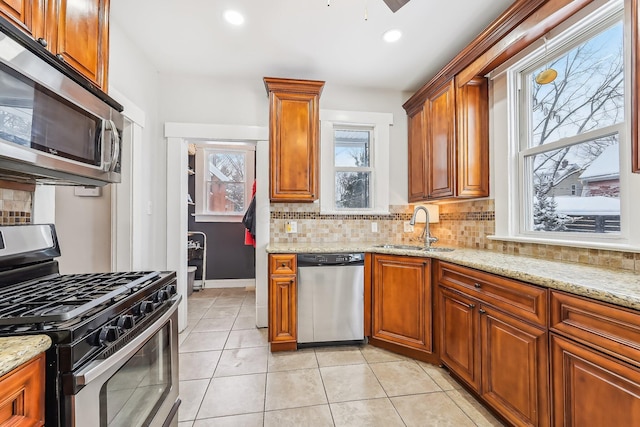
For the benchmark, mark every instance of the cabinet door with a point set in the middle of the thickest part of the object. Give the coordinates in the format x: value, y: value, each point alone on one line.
x: 441, y: 146
x: 402, y: 301
x: 282, y: 312
x: 459, y: 337
x: 25, y: 14
x: 79, y: 34
x: 22, y: 395
x: 472, y: 104
x: 293, y: 139
x: 417, y: 156
x: 591, y: 389
x: 514, y: 368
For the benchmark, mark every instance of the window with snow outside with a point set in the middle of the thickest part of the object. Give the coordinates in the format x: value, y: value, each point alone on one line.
x: 353, y: 168
x: 570, y: 130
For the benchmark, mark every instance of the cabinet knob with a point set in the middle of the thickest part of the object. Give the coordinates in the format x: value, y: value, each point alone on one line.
x: 43, y: 42
x: 477, y: 285
x: 472, y: 306
x: 60, y: 57
x: 283, y: 265
x: 482, y: 311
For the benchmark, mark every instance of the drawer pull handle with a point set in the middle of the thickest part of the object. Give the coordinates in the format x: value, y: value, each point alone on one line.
x: 481, y: 311
x: 477, y: 285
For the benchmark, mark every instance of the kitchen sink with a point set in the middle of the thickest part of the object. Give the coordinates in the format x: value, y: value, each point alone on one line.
x: 416, y: 248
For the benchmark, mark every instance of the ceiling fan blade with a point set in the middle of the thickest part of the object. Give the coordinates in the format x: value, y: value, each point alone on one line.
x: 394, y: 5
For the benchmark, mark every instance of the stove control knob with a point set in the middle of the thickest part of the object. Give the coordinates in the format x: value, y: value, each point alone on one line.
x: 146, y: 307
x: 171, y: 289
x: 108, y: 334
x: 126, y: 322
x: 161, y: 296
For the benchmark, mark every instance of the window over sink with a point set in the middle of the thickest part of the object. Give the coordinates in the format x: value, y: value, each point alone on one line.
x: 562, y: 142
x: 354, y: 162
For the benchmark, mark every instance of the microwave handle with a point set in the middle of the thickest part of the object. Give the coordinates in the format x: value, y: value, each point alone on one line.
x: 114, y: 149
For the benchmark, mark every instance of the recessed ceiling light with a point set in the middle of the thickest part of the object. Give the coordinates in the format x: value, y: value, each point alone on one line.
x: 391, y: 36
x: 233, y: 17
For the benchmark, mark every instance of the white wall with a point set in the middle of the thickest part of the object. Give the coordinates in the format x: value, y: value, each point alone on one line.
x: 201, y: 99
x: 133, y: 75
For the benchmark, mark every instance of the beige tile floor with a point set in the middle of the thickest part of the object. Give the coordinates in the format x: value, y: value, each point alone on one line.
x: 228, y: 377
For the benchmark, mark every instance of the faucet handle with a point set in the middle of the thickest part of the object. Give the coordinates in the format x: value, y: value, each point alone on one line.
x: 432, y: 239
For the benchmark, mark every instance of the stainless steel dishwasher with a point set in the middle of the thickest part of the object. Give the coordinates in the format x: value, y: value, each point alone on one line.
x: 330, y: 298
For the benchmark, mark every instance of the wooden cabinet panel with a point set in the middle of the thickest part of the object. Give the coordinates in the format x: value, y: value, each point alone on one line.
x: 459, y: 339
x: 22, y: 395
x: 441, y: 149
x: 282, y: 264
x: 25, y: 14
x: 417, y: 155
x: 611, y: 329
x: 523, y: 300
x: 514, y: 368
x: 472, y: 105
x: 592, y: 389
x: 402, y: 301
x: 293, y: 139
x: 283, y: 302
x: 283, y: 312
x: 78, y: 33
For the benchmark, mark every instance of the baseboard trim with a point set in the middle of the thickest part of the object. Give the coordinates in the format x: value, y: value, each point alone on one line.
x: 230, y: 283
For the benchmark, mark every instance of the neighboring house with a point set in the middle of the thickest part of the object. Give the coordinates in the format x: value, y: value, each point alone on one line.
x: 218, y: 190
x: 602, y: 176
x: 567, y: 181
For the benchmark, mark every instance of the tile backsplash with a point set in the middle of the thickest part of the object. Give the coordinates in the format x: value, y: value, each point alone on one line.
x: 15, y: 206
x: 462, y: 224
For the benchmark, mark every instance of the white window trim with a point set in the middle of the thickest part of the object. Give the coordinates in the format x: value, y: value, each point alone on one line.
x: 505, y: 144
x: 201, y: 213
x: 379, y: 123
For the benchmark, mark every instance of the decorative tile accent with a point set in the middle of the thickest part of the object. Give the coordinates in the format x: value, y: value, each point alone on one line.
x: 15, y: 206
x: 462, y: 224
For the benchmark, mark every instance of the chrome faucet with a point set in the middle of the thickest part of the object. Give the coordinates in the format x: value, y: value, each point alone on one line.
x: 428, y: 240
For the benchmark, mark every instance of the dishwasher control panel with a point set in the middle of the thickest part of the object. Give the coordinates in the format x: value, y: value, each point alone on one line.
x: 330, y: 259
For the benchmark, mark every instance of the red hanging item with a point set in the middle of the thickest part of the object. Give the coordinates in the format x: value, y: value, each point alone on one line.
x: 249, y: 220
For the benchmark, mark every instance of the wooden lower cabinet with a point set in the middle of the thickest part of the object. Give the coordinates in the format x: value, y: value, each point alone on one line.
x: 591, y: 388
x: 459, y: 338
x: 22, y: 395
x: 502, y: 358
x: 283, y: 301
x: 402, y: 304
x: 514, y: 368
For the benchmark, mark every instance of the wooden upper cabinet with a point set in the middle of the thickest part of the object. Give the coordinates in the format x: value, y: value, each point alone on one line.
x: 417, y: 155
x: 78, y: 33
x: 472, y: 108
x: 441, y: 146
x: 449, y: 142
x: 293, y: 139
x: 25, y: 14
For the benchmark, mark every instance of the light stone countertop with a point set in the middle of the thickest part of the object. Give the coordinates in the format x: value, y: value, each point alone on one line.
x: 620, y: 287
x: 14, y: 351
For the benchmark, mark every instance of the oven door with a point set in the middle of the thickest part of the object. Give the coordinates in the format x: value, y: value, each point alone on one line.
x: 136, y: 386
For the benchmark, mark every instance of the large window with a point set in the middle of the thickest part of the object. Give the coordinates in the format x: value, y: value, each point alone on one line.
x: 559, y: 118
x: 354, y: 162
x: 224, y: 176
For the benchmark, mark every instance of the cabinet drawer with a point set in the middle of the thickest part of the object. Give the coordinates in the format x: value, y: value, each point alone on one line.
x: 520, y: 299
x: 614, y: 330
x: 283, y: 264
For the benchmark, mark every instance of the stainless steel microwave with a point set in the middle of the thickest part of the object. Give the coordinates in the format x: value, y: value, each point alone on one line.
x: 52, y: 129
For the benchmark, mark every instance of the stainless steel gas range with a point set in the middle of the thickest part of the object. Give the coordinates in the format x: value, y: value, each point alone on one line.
x: 114, y: 358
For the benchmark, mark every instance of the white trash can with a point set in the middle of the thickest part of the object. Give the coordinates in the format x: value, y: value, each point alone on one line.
x: 191, y: 277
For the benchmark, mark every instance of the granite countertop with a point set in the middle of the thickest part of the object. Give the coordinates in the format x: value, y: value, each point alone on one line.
x: 620, y: 287
x: 14, y: 351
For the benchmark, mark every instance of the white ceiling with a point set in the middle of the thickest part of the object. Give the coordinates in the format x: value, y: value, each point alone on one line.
x: 305, y: 38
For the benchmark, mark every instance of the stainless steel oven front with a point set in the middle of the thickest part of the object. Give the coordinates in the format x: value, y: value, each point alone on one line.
x: 135, y: 386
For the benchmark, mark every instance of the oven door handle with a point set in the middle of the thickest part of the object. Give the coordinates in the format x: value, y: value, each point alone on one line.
x: 94, y: 369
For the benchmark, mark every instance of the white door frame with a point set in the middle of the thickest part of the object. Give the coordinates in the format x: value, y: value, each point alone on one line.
x: 178, y: 137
